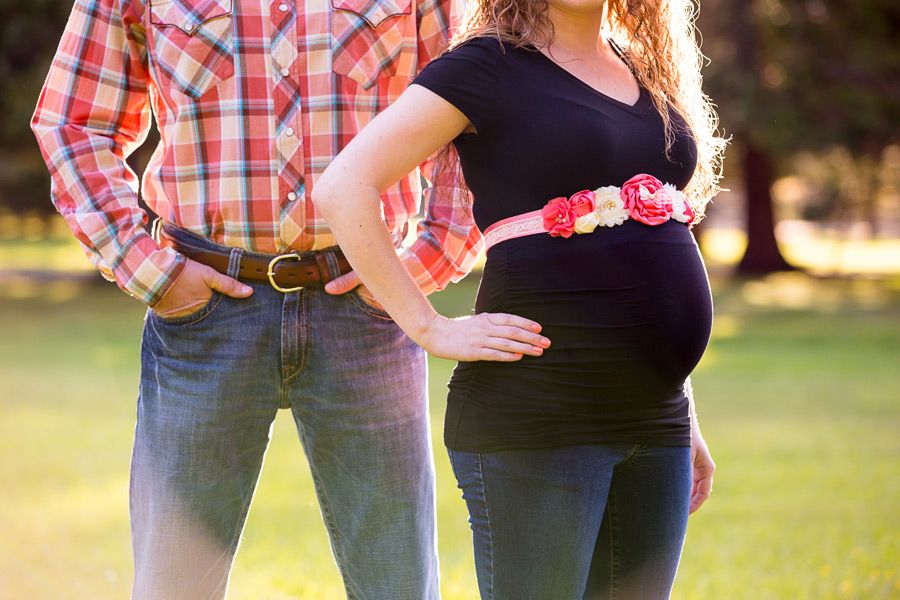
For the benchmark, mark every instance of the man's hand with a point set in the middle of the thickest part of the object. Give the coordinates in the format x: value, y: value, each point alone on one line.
x: 348, y: 282
x: 343, y: 284
x: 193, y: 289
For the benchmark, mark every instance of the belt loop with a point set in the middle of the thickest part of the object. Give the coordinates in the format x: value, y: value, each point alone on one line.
x: 333, y: 266
x: 234, y: 262
x: 322, y: 262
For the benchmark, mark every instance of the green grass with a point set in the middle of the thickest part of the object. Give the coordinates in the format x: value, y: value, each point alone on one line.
x: 798, y: 397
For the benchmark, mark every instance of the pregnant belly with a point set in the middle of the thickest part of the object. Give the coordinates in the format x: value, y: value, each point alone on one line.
x: 628, y: 309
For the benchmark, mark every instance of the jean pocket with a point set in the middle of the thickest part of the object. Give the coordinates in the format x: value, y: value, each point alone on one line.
x: 192, y: 43
x: 192, y: 317
x: 373, y: 39
x: 370, y: 309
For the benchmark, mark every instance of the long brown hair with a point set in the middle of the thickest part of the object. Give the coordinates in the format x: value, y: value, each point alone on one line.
x: 661, y: 45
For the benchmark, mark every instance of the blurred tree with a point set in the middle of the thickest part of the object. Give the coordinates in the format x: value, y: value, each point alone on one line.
x: 29, y: 33
x: 792, y: 75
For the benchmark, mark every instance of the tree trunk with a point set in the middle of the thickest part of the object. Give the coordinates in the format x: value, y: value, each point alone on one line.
x: 762, y: 255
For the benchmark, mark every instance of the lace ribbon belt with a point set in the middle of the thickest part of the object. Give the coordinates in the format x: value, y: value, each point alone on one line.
x: 643, y: 198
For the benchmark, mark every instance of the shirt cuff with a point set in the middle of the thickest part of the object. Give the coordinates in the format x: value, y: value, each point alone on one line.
x: 434, y: 271
x: 147, y: 271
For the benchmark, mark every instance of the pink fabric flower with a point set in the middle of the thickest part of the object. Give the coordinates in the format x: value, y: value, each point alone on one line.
x: 646, y: 200
x: 582, y: 202
x: 688, y: 215
x: 559, y: 217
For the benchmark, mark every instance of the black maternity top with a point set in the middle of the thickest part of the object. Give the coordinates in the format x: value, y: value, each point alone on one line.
x: 627, y: 308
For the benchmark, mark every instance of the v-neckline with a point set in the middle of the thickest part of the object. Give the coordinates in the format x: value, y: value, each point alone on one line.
x: 639, y: 105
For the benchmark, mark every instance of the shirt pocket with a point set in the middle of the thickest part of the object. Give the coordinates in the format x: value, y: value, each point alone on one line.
x: 193, y: 44
x: 373, y: 39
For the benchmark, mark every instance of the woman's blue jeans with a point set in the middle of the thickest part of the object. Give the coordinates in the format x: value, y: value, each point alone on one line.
x: 211, y: 384
x: 584, y: 522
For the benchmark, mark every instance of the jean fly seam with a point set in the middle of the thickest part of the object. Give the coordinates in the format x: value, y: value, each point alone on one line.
x: 303, y: 327
x: 635, y: 450
x: 289, y: 331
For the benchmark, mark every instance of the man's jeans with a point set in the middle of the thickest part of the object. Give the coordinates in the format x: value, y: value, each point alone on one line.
x: 211, y: 384
x: 591, y: 522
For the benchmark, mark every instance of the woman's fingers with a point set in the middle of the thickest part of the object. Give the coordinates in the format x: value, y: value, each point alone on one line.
x: 505, y: 337
x: 703, y: 467
x: 513, y: 321
x: 495, y: 336
x: 517, y: 329
x: 700, y: 493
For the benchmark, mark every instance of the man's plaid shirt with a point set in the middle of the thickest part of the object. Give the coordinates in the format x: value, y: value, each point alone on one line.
x: 252, y: 100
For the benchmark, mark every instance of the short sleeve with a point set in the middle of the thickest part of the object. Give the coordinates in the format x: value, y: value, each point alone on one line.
x: 467, y: 78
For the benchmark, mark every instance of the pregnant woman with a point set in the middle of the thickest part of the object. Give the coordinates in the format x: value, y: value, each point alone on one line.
x: 589, y: 148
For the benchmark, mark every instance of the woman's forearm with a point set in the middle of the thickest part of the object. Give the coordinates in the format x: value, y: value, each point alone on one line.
x: 348, y: 195
x: 354, y: 216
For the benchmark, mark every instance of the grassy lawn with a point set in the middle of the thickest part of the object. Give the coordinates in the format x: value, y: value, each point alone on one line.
x: 798, y: 396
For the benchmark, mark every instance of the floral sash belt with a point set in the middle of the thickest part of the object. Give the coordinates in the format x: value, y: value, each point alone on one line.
x: 643, y: 198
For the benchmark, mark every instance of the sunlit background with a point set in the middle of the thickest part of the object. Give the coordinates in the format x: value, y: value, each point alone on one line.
x: 798, y: 393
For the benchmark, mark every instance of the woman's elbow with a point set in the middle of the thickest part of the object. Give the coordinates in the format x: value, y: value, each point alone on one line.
x: 324, y: 193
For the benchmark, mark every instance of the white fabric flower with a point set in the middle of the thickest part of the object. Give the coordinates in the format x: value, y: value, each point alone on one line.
x: 587, y: 223
x: 609, y: 207
x: 681, y: 210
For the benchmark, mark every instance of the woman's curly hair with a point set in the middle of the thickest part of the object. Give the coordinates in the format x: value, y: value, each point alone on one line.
x: 661, y: 46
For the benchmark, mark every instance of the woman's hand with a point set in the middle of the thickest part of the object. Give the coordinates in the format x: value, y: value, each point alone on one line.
x: 702, y: 469
x: 486, y: 336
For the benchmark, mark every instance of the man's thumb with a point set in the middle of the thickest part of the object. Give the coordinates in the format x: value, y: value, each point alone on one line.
x: 343, y: 284
x: 227, y: 285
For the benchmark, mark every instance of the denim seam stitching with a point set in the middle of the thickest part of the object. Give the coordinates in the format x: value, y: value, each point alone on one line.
x: 364, y: 307
x: 488, y: 520
x: 628, y: 459
x: 305, y: 305
x: 235, y: 541
x: 304, y: 330
x: 613, y: 564
x: 613, y: 524
x: 197, y: 316
x: 331, y: 525
x: 284, y: 352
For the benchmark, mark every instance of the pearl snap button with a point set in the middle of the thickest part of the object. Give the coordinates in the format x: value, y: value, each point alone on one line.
x: 292, y: 196
x: 285, y: 72
x: 283, y: 7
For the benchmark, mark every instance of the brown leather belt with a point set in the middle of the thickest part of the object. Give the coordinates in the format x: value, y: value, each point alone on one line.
x: 286, y: 272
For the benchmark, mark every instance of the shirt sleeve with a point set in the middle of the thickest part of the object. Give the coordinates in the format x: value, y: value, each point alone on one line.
x: 92, y: 113
x: 448, y: 242
x: 467, y: 78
